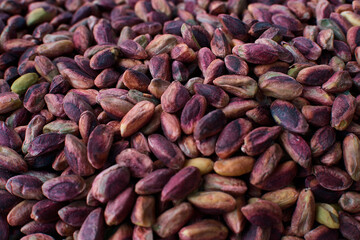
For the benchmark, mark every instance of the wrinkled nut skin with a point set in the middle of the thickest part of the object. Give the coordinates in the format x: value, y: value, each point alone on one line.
x: 279, y: 85
x: 259, y: 139
x: 304, y: 216
x: 63, y: 188
x: 25, y: 186
x: 192, y: 112
x: 297, y: 148
x: 232, y: 137
x: 351, y: 155
x: 210, y: 124
x: 136, y: 118
x: 172, y: 220
x: 75, y: 153
x: 212, y: 202
x: 332, y: 178
x: 175, y: 97
x: 266, y: 164
x: 215, y: 182
x: 154, y: 181
x: 99, y: 144
x: 139, y: 164
x: 207, y: 229
x: 256, y: 53
x: 262, y: 213
x: 143, y: 213
x: 20, y: 214
x: 289, y: 117
x: 166, y: 151
x: 342, y: 111
x: 181, y: 184
x: 75, y: 213
x: 284, y: 197
x: 93, y: 226
x: 103, y: 188
x: 120, y: 207
x: 322, y: 140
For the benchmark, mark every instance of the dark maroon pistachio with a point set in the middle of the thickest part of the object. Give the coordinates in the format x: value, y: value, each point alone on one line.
x: 63, y: 188
x: 209, y: 125
x: 289, y: 117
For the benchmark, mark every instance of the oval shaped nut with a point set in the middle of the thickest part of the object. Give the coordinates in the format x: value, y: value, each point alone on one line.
x: 120, y: 207
x: 110, y: 182
x: 213, y: 202
x: 74, y: 105
x: 333, y: 155
x: 166, y: 151
x: 235, y: 166
x: 46, y: 68
x: 307, y: 47
x: 349, y: 226
x: 259, y: 139
x: 235, y: 220
x: 187, y: 144
x: 139, y: 164
x: 75, y: 152
x: 11, y: 160
x: 332, y: 178
x: 105, y: 58
x: 338, y: 83
x: 318, y: 95
x: 325, y: 39
x: 235, y: 65
x: 93, y: 227
x: 322, y: 140
x: 45, y: 211
x: 9, y: 102
x: 75, y: 213
x: 315, y: 75
x: 34, y: 97
x: 181, y: 184
x: 304, y: 215
x: 54, y: 103
x: 37, y: 236
x: 114, y: 106
x: 46, y: 143
x: 131, y: 49
x: 157, y: 87
x: 139, y: 142
x: 351, y: 155
x: 175, y: 97
x: 20, y: 214
x: 63, y: 188
x: 215, y: 69
x: 279, y: 85
x: 215, y: 182
x: 25, y: 186
x: 342, y: 111
x: 172, y: 220
x: 87, y: 123
x: 33, y: 129
x: 322, y: 232
x: 192, y: 112
x: 266, y: 164
x: 154, y: 182
x: 9, y: 138
x: 136, y: 118
x: 205, y: 165
x: 232, y: 137
x: 297, y: 148
x: 281, y: 177
x: 210, y: 124
x: 162, y: 44
x: 256, y: 53
x: 21, y: 84
x: 99, y: 144
x: 327, y: 215
x: 238, y: 107
x: 289, y: 117
x: 317, y: 115
x: 135, y: 80
x: 55, y: 49
x: 214, y: 95
x: 143, y: 213
x: 262, y: 213
x: 238, y: 85
x: 285, y: 197
x: 171, y: 126
x: 181, y: 52
x: 207, y: 229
